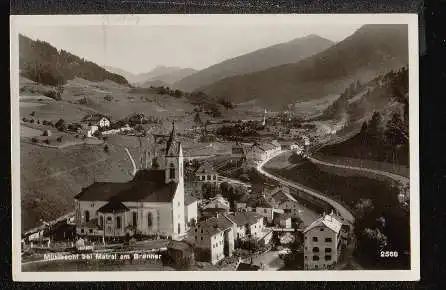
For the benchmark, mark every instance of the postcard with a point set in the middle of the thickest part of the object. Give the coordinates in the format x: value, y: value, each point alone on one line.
x: 211, y: 145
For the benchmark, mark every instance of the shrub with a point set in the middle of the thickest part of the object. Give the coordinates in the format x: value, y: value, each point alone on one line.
x: 77, y: 136
x: 34, y: 140
x: 53, y: 95
x: 60, y: 125
x: 33, y: 113
x: 32, y: 120
x: 108, y: 98
x: 106, y: 150
x: 24, y: 120
x: 105, y: 138
x: 47, y: 141
x: 59, y: 139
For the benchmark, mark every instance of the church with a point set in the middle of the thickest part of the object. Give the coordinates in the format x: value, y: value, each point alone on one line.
x: 151, y: 203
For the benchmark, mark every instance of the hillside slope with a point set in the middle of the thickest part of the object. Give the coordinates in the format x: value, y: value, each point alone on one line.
x: 43, y: 63
x: 279, y: 54
x: 370, y: 50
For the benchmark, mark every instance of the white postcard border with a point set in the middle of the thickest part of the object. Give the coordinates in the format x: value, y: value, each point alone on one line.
x: 219, y: 19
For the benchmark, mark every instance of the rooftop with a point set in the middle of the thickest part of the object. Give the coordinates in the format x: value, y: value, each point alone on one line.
x: 113, y: 207
x: 330, y: 221
x: 148, y: 185
x: 188, y: 199
x: 243, y: 218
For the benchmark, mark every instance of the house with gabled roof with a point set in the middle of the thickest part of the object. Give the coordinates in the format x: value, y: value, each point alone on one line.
x: 323, y: 242
x: 96, y: 119
x: 282, y: 199
x: 151, y: 203
x: 206, y: 173
x: 213, y: 239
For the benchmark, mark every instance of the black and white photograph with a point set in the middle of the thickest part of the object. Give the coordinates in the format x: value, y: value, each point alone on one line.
x: 153, y: 144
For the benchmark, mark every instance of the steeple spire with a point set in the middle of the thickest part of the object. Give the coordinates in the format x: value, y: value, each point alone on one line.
x: 171, y: 140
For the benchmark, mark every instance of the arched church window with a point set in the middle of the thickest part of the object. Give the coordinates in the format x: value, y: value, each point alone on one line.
x: 171, y: 171
x: 149, y: 219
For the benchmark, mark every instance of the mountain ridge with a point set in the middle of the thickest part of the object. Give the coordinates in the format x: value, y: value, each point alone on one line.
x: 370, y: 50
x: 260, y: 59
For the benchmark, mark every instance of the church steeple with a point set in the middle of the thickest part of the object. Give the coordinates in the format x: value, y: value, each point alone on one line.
x: 171, y: 141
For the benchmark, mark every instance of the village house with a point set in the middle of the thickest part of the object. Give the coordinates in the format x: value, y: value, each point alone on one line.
x: 284, y: 221
x: 261, y: 152
x: 281, y: 198
x: 218, y: 201
x: 248, y: 225
x: 322, y: 242
x: 151, y: 203
x: 207, y: 173
x: 259, y: 204
x: 96, y: 120
x: 213, y: 239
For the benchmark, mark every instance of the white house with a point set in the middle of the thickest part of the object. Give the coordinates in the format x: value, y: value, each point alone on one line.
x: 248, y: 224
x: 151, y: 203
x: 213, y: 239
x: 322, y: 242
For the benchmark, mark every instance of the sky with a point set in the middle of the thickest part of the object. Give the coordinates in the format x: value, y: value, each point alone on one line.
x: 138, y: 49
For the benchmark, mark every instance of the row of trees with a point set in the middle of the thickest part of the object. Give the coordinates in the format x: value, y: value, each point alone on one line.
x: 239, y: 130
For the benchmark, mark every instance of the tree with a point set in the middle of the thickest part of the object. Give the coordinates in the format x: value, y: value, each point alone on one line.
x: 60, y: 125
x: 33, y: 113
x: 178, y: 94
x: 396, y: 133
x: 59, y: 139
x: 375, y: 130
x: 106, y: 150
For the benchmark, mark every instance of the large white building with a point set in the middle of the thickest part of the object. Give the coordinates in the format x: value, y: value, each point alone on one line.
x: 322, y: 242
x: 151, y: 203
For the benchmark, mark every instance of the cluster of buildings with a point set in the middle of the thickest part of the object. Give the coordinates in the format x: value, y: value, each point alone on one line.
x: 153, y: 202
x: 216, y: 237
x: 157, y: 202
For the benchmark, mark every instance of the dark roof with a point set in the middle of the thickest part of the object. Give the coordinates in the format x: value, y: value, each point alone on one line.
x: 188, y: 199
x: 93, y: 118
x: 243, y: 218
x: 113, y: 206
x: 100, y: 191
x: 147, y: 185
x: 247, y: 267
x: 215, y: 224
x: 148, y: 191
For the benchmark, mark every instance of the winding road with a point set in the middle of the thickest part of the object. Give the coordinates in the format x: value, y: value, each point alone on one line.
x: 345, y: 213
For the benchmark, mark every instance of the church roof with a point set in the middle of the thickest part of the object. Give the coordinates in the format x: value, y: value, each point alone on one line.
x: 148, y: 185
x: 113, y: 206
x: 100, y: 191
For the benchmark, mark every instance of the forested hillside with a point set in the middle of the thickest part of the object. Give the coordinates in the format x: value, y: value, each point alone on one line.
x: 45, y: 64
